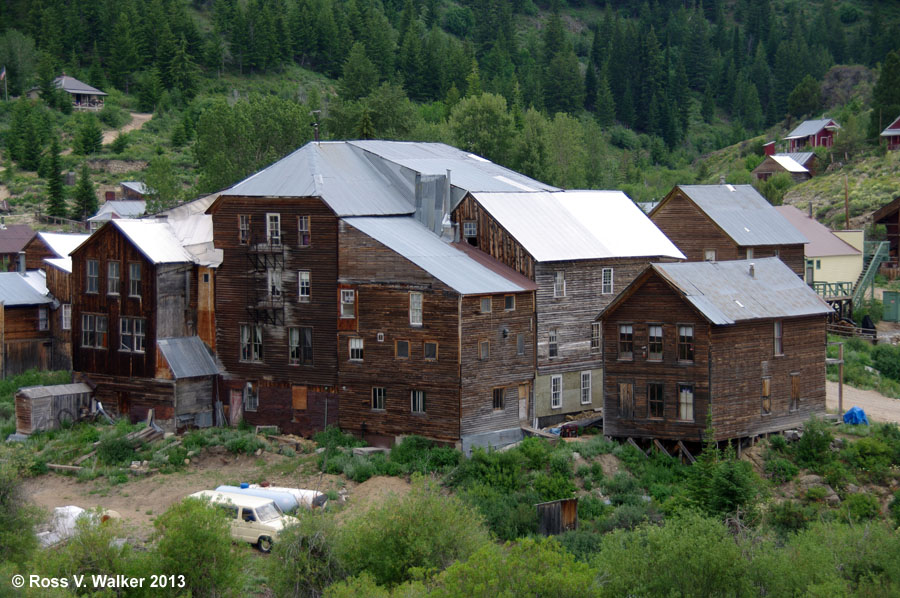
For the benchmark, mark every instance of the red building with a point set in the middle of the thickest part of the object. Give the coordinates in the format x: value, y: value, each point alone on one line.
x: 812, y: 133
x: 892, y: 134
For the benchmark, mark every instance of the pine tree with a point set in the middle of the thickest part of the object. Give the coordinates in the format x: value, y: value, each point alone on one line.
x: 708, y: 108
x: 89, y: 136
x: 564, y: 86
x: 886, y: 95
x: 805, y: 98
x: 56, y: 203
x: 150, y: 90
x: 182, y: 72
x: 360, y: 75
x: 85, y: 195
x: 605, y: 105
x: 590, y: 88
x: 473, y: 81
x: 366, y: 128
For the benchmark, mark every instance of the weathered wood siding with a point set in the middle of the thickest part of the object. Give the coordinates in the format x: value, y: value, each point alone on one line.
x: 206, y: 306
x: 173, y: 290
x: 194, y: 395
x: 59, y: 283
x: 24, y: 346
x: 35, y: 252
x: 132, y: 397
x: 492, y: 238
x: 276, y: 405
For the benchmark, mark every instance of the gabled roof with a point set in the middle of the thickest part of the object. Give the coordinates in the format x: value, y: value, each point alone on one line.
x: 15, y: 291
x: 742, y: 214
x: 726, y: 293
x: 14, y: 237
x: 120, y: 208
x: 154, y: 238
x: 454, y: 267
x: 892, y: 129
x: 73, y: 85
x: 62, y: 263
x: 886, y: 211
x: 822, y: 242
x: 801, y: 158
x: 62, y: 244
x: 789, y: 163
x: 811, y: 127
x: 188, y: 357
x: 136, y: 186
x: 577, y: 225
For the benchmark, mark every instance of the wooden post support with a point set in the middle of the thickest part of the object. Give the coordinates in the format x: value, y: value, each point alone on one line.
x: 635, y: 445
x: 661, y: 448
x: 685, y: 453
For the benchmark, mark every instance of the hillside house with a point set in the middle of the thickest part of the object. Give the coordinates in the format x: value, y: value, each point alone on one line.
x: 25, y: 339
x: 50, y: 245
x: 13, y: 239
x: 831, y: 256
x: 581, y: 248
x: 134, y: 191
x: 812, y: 133
x: 891, y: 134
x: 889, y: 216
x: 727, y: 222
x: 124, y: 208
x: 84, y: 97
x: 798, y: 165
x: 743, y: 340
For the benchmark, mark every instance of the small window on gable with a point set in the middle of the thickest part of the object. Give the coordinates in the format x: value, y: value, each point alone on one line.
x: 559, y: 284
x: 402, y: 350
x: 470, y: 229
x: 243, y: 229
x: 348, y: 303
x: 606, y: 281
x: 303, y: 236
x: 485, y: 305
x: 378, y: 393
x: 498, y: 395
x: 709, y: 255
x: 484, y: 350
x: 509, y: 302
x: 415, y: 309
x: 431, y: 351
x: 356, y: 349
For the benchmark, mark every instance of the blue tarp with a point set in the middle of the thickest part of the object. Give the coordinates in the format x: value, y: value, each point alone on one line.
x: 855, y: 415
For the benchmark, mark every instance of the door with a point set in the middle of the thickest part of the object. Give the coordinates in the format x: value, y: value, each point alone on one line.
x: 524, y: 392
x: 235, y: 411
x: 810, y: 272
x: 892, y: 306
x: 626, y: 400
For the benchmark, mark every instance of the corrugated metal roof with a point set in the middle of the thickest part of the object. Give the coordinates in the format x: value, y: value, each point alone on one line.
x: 577, y: 225
x: 122, y: 208
x: 726, y: 293
x: 16, y: 290
x: 36, y: 392
x: 136, y: 186
x: 822, y: 242
x: 73, y: 85
x: 811, y: 127
x: 743, y: 214
x: 62, y: 244
x: 789, y: 163
x: 14, y: 237
x: 188, y: 357
x: 800, y: 157
x: 409, y: 238
x: 155, y: 239
x: 63, y: 263
x: 38, y: 280
x: 892, y: 129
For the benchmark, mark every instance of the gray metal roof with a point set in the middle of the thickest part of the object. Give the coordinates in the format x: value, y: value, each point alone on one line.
x: 73, y: 85
x: 743, y: 214
x: 188, y: 357
x: 136, y: 186
x: 811, y: 127
x: 409, y: 238
x: 15, y: 290
x: 822, y: 242
x: 726, y: 293
x: 121, y: 208
x: 56, y: 390
x: 892, y: 129
x: 799, y: 157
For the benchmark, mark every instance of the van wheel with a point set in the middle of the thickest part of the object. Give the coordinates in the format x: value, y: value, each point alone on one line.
x: 264, y: 544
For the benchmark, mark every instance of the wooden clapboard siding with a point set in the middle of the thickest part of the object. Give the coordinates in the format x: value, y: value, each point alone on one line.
x: 35, y: 252
x: 276, y: 406
x: 194, y: 395
x: 59, y: 284
x: 24, y: 347
x: 492, y: 238
x: 206, y: 306
x: 133, y: 397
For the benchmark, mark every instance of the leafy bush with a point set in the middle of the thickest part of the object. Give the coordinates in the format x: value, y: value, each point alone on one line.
x: 509, y: 515
x: 598, y: 445
x: 869, y: 455
x: 886, y: 359
x: 113, y: 116
x: 501, y: 470
x: 778, y: 443
x: 422, y: 455
x: 561, y: 464
x: 115, y: 451
x: 894, y: 508
x: 359, y: 468
x: 304, y: 561
x: 789, y: 516
x: 244, y: 443
x: 332, y: 438
x: 781, y: 470
x: 17, y: 518
x: 536, y: 452
x: 583, y: 544
x: 813, y: 448
x: 590, y: 507
x: 553, y: 487
x: 860, y: 507
x: 628, y: 516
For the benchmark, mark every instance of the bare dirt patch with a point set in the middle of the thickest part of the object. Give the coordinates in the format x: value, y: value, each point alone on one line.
x: 117, y: 166
x: 138, y: 119
x: 374, y: 490
x: 877, y: 406
x: 610, y: 464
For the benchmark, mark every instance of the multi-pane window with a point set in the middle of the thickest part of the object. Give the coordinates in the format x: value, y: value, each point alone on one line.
x: 509, y: 302
x: 485, y: 305
x: 273, y: 229
x: 556, y: 392
x: 655, y: 342
x: 304, y: 285
x: 766, y: 396
x: 134, y: 279
x: 498, y: 398
x: 779, y: 340
x: 94, y: 331
x: 402, y: 350
x: 273, y: 286
x: 92, y: 278
x: 585, y: 388
x: 606, y: 281
x: 66, y: 316
x: 43, y: 318
x: 686, y: 402
x: 251, y: 342
x: 131, y: 334
x: 243, y: 229
x: 626, y: 400
x: 300, y: 345
x: 356, y: 349
x: 251, y: 397
x: 417, y: 401
x: 415, y: 309
x: 113, y: 276
x: 553, y: 342
x: 520, y: 344
x: 431, y: 351
x: 484, y: 351
x: 348, y: 303
x: 559, y: 284
x: 626, y: 341
x: 595, y: 336
x: 378, y: 398
x: 303, y: 236
x: 655, y: 402
x: 685, y: 343
x: 470, y: 229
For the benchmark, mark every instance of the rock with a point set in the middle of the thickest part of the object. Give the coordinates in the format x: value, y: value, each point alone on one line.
x: 792, y: 435
x: 191, y: 454
x: 168, y: 435
x: 135, y: 464
x: 576, y: 456
x: 320, y: 450
x: 365, y: 451
x: 217, y: 449
x: 810, y: 480
x: 852, y: 489
x: 187, y: 461
x: 837, y: 445
x: 832, y: 500
x: 258, y: 452
x: 144, y: 463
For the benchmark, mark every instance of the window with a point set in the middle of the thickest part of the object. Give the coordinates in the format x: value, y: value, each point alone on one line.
x: 417, y: 401
x: 92, y: 281
x: 94, y: 331
x: 626, y: 400
x: 654, y: 342
x: 559, y: 284
x: 766, y: 396
x: 553, y: 343
x: 595, y: 336
x: 686, y: 402
x: 777, y: 253
x: 348, y: 303
x: 585, y: 388
x: 509, y: 302
x: 300, y: 345
x: 273, y: 229
x: 779, y: 341
x: 556, y: 392
x: 356, y: 349
x: 749, y: 253
x: 606, y: 281
x: 415, y: 309
x: 795, y: 391
x: 709, y: 255
x: 66, y: 317
x: 484, y: 349
x: 402, y: 350
x: 304, y: 285
x: 134, y: 279
x: 431, y: 351
x: 655, y: 401
x: 274, y: 284
x: 520, y: 344
x: 251, y: 342
x: 818, y: 264
x: 686, y: 343
x: 43, y: 318
x: 485, y: 305
x: 112, y: 278
x: 243, y: 229
x: 303, y: 236
x: 626, y: 341
x: 131, y: 334
x: 378, y: 398
x: 251, y: 397
x: 498, y: 398
x: 470, y: 229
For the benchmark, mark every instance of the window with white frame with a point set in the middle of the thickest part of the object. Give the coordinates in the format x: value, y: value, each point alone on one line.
x: 304, y: 285
x: 709, y: 255
x: 251, y: 397
x: 356, y: 349
x: 300, y: 344
x: 654, y: 342
x: 273, y: 229
x: 556, y: 386
x: 303, y: 236
x: 626, y: 341
x: 348, y: 303
x: 378, y: 393
x: 779, y: 340
x: 131, y: 334
x: 595, y: 336
x: 94, y: 333
x: 113, y: 276
x: 553, y: 342
x: 92, y: 276
x: 585, y: 388
x: 274, y: 284
x: 686, y: 402
x: 43, y: 318
x: 417, y: 401
x: 134, y: 279
x: 415, y: 309
x: 559, y: 284
x: 243, y: 229
x: 251, y: 342
x: 485, y: 305
x: 606, y: 281
x: 470, y: 229
x: 66, y: 317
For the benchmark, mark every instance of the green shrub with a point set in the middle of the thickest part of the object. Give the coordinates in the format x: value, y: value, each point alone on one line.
x: 553, y: 487
x: 501, y: 470
x: 778, y: 443
x: 561, y: 464
x: 886, y: 359
x: 816, y: 494
x: 332, y: 437
x: 598, y: 445
x: 627, y: 516
x: 789, y: 516
x: 17, y: 517
x: 870, y: 455
x: 860, y: 507
x: 113, y: 116
x: 244, y: 443
x: 536, y: 452
x: 590, y: 507
x: 115, y: 451
x: 304, y: 561
x: 583, y: 544
x: 781, y: 470
x: 836, y: 475
x: 421, y: 455
x: 359, y: 468
x: 176, y: 456
x: 620, y: 484
x: 509, y: 515
x: 813, y: 448
x: 894, y: 508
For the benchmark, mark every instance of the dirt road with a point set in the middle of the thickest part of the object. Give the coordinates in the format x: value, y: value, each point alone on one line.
x: 877, y: 407
x: 137, y: 121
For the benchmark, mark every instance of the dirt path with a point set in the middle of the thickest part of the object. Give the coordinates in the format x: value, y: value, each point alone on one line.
x: 137, y: 121
x: 877, y: 406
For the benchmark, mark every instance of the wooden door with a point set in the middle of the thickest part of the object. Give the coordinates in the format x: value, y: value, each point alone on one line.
x: 236, y: 404
x: 524, y: 393
x: 626, y: 400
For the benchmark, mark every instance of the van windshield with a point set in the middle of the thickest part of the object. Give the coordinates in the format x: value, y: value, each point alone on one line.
x: 268, y: 512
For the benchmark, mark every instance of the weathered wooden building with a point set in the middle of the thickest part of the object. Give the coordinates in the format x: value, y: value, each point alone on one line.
x: 812, y: 133
x: 889, y: 216
x: 891, y: 134
x: 793, y: 164
x: 727, y: 222
x: 13, y: 239
x: 580, y: 248
x: 743, y: 340
x: 25, y: 339
x: 50, y: 245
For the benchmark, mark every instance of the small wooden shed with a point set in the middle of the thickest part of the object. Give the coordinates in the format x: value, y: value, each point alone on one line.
x: 45, y: 407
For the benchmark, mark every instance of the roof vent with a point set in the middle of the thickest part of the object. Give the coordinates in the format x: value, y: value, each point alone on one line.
x: 752, y: 270
x: 721, y: 179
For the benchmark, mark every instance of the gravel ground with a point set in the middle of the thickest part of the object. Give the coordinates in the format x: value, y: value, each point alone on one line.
x: 877, y: 406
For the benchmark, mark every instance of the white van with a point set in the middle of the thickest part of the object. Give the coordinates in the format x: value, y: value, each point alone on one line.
x: 253, y: 519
